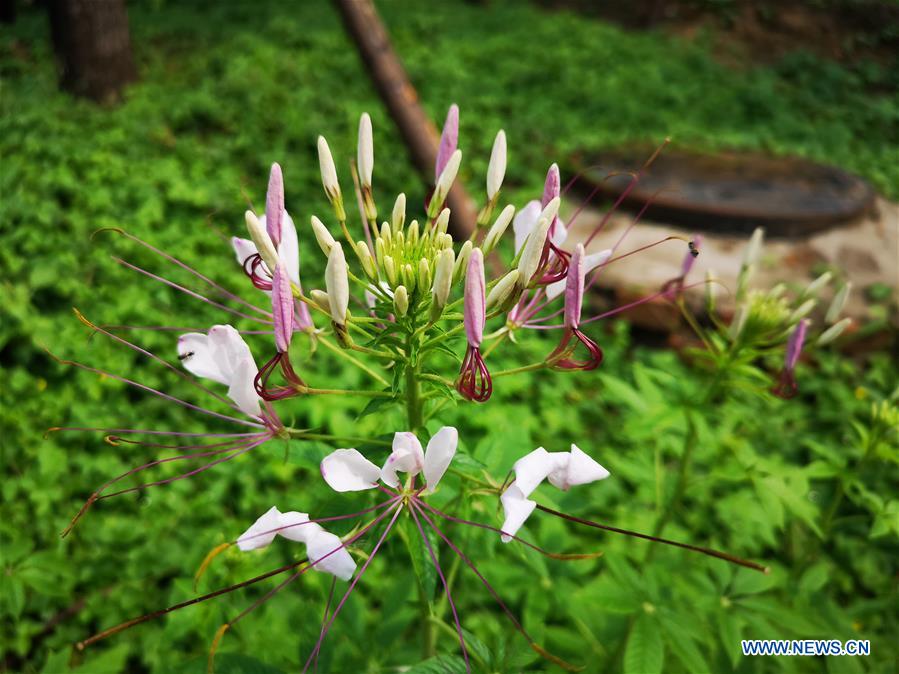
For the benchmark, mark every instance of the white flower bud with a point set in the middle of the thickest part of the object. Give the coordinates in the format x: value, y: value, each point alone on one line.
x: 462, y: 261
x: 401, y: 300
x: 838, y: 303
x: 329, y: 178
x: 496, y: 170
x: 442, y: 222
x: 501, y: 291
x: 802, y: 311
x: 263, y: 241
x: 495, y: 233
x: 443, y: 277
x: 834, y: 331
x: 444, y: 183
x: 322, y: 235
x: 398, y: 218
x: 818, y: 283
x: 386, y: 234
x: 754, y: 247
x: 424, y: 273
x: 320, y: 297
x: 365, y: 153
x: 366, y: 260
x: 551, y: 210
x: 408, y: 275
x: 412, y: 233
x: 533, y: 251
x: 337, y: 284
x: 390, y: 269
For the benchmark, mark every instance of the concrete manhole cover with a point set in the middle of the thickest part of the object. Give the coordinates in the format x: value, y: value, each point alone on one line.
x: 729, y: 192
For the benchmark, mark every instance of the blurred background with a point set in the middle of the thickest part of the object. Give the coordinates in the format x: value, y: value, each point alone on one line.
x: 163, y: 118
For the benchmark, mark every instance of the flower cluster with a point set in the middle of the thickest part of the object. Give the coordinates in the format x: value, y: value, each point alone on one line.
x: 412, y: 298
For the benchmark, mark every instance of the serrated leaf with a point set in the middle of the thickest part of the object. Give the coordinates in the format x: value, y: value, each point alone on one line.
x: 439, y: 664
x: 645, y: 649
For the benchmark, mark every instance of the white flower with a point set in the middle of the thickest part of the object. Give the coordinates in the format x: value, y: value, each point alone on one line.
x: 348, y: 470
x: 563, y: 469
x: 325, y: 551
x: 222, y: 356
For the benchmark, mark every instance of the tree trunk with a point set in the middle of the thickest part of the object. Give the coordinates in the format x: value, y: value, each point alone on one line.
x: 93, y: 47
x: 419, y: 133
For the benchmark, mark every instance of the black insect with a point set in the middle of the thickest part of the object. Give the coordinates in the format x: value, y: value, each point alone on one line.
x: 694, y: 251
x: 185, y: 356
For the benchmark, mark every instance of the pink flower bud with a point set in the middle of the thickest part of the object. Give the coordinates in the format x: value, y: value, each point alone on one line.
x: 282, y: 308
x: 449, y: 139
x: 794, y: 345
x: 574, y: 288
x: 692, y: 254
x: 274, y: 204
x: 475, y: 298
x: 551, y: 188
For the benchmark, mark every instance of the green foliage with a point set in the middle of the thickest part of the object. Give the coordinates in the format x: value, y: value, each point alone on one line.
x: 808, y: 487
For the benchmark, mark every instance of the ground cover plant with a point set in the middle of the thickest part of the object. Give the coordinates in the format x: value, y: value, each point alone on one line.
x: 809, y: 483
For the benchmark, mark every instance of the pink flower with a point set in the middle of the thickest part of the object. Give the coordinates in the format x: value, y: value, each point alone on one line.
x: 474, y: 381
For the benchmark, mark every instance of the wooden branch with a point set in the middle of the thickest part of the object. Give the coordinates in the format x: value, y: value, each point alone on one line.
x: 390, y: 79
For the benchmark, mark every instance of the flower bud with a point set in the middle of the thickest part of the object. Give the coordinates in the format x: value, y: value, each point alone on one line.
x: 533, y: 251
x: 794, y: 345
x: 282, y: 308
x: 462, y: 260
x: 260, y: 237
x: 802, y: 311
x: 386, y: 234
x: 274, y: 204
x: 442, y: 222
x: 424, y: 273
x: 322, y: 235
x: 337, y: 284
x: 320, y: 297
x: 401, y: 300
x: 475, y: 302
x: 408, y: 276
x: 443, y: 277
x: 449, y: 138
x: 754, y: 247
x: 390, y: 269
x: 444, y: 183
x: 495, y: 233
x: 380, y: 252
x: 398, y: 218
x: 838, y: 303
x: 834, y: 331
x: 365, y: 153
x: 329, y: 178
x: 500, y: 293
x: 818, y: 283
x: 412, y: 233
x: 574, y: 288
x: 496, y: 169
x: 366, y: 260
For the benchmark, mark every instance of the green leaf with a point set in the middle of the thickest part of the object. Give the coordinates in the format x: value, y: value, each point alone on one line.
x: 422, y: 563
x: 645, y: 650
x: 439, y: 664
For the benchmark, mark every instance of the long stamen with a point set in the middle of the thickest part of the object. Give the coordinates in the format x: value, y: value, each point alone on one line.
x: 140, y: 431
x: 188, y: 291
x: 352, y: 586
x: 152, y: 390
x: 183, y: 375
x: 686, y: 546
x: 225, y: 293
x: 446, y: 588
x: 563, y: 556
x: 518, y: 626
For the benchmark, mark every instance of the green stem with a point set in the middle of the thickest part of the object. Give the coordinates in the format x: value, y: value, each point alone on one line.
x: 355, y: 361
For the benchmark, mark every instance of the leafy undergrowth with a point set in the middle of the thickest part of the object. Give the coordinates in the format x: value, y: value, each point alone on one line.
x: 228, y: 88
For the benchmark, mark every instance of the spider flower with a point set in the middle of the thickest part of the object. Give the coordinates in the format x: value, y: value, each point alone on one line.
x: 560, y: 358
x: 786, y: 386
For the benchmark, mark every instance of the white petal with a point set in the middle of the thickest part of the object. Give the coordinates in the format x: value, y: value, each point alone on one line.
x: 196, y: 355
x: 407, y: 456
x: 228, y: 349
x: 593, y: 260
x: 440, y: 452
x: 298, y: 527
x: 251, y: 538
x: 517, y: 509
x: 560, y: 233
x: 348, y: 470
x: 243, y: 249
x: 289, y: 248
x: 524, y: 222
x: 242, y: 391
x: 334, y: 557
x: 578, y: 469
x: 532, y: 469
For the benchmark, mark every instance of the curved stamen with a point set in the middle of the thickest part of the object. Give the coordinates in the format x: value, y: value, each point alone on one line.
x: 560, y: 358
x: 474, y: 382
x: 252, y: 267
x: 786, y: 387
x: 295, y: 384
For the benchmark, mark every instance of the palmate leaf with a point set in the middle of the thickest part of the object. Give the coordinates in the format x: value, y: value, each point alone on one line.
x: 645, y: 650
